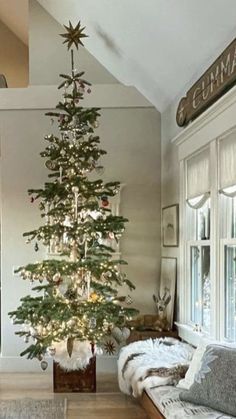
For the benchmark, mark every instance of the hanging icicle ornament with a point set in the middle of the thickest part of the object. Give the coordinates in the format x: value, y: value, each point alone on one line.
x: 75, y: 190
x: 92, y: 323
x: 74, y: 253
x: 81, y: 239
x: 88, y: 282
x: 85, y: 247
x: 60, y: 174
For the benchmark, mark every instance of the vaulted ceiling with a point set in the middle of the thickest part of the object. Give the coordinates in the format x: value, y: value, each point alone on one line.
x: 159, y: 46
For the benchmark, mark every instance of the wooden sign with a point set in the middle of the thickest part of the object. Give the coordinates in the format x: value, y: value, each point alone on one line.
x: 219, y: 78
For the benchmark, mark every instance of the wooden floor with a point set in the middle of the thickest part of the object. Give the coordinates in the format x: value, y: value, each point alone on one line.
x: 107, y: 403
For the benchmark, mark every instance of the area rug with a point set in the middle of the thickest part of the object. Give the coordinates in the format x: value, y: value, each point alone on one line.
x: 33, y: 409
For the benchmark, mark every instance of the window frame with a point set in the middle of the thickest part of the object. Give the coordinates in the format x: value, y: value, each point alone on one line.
x: 214, y: 124
x: 189, y: 245
x: 217, y: 245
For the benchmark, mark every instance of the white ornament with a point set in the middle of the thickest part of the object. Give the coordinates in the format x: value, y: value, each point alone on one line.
x: 125, y: 333
x: 32, y: 332
x: 98, y: 350
x: 63, y: 287
x: 95, y: 214
x: 51, y: 351
x: 71, y: 323
x: 57, y: 277
x: 67, y: 221
x: 120, y: 335
x: 96, y: 124
x: 40, y: 329
x: 74, y: 254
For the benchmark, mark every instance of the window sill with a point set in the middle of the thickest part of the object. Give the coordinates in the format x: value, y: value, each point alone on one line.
x: 187, y: 333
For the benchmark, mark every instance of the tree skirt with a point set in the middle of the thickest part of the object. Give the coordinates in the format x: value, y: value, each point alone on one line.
x: 33, y: 409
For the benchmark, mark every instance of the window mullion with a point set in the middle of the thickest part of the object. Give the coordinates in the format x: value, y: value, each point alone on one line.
x: 214, y: 252
x: 183, y: 265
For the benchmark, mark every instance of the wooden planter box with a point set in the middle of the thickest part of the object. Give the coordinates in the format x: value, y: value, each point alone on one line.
x: 80, y: 381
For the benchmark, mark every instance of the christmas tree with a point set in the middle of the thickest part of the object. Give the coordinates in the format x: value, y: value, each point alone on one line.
x: 77, y: 302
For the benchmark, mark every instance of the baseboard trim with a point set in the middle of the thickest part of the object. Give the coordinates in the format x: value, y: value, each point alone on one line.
x: 105, y: 363
x: 18, y: 364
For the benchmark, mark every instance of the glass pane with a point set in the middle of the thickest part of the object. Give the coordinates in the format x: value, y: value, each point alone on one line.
x: 200, y: 286
x: 198, y: 222
x: 230, y: 292
x: 228, y: 217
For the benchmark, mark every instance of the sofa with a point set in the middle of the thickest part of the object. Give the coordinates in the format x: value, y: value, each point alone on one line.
x: 154, y: 371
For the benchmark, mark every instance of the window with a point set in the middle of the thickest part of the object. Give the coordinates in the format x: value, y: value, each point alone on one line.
x: 200, y: 286
x: 208, y: 241
x: 198, y: 204
x: 230, y: 292
x: 227, y: 199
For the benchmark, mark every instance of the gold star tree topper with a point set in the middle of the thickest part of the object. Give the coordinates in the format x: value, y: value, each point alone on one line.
x: 73, y: 35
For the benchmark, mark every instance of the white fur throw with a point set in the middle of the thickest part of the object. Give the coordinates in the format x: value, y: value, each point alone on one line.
x: 137, y: 358
x: 80, y: 356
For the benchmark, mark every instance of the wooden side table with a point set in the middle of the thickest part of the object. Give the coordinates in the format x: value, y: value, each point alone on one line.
x: 146, y: 334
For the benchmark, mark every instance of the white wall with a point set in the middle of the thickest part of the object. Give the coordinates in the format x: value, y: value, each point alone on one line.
x: 132, y: 139
x: 170, y: 174
x: 13, y: 58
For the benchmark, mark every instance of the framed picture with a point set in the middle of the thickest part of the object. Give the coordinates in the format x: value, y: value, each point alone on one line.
x: 168, y: 285
x: 170, y: 226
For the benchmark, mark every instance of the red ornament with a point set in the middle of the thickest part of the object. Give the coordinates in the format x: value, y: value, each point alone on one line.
x: 105, y: 203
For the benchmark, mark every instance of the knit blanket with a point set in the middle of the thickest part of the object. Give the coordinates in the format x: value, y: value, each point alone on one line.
x: 152, y: 363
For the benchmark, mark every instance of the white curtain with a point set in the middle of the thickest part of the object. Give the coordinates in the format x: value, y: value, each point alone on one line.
x: 227, y: 164
x: 198, y: 179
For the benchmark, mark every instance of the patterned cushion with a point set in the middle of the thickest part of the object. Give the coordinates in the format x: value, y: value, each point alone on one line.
x: 217, y: 373
x: 167, y: 400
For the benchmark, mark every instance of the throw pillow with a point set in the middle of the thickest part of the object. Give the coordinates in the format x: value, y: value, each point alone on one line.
x: 215, y: 383
x: 194, y: 366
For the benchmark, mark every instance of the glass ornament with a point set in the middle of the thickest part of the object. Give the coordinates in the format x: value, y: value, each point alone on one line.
x: 92, y: 323
x: 51, y: 351
x: 44, y: 365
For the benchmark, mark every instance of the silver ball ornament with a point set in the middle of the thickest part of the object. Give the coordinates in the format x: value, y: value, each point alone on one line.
x: 44, y: 365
